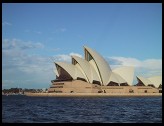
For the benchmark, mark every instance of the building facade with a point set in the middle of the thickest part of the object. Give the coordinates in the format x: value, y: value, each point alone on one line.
x: 94, y: 75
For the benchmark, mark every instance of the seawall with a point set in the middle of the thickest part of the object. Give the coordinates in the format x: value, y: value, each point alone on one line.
x: 92, y: 94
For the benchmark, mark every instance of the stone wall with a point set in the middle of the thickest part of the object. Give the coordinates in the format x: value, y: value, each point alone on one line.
x: 78, y: 86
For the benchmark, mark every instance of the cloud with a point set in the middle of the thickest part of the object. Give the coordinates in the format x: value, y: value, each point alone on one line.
x: 31, y: 31
x: 6, y: 24
x: 20, y: 67
x: 152, y: 64
x: 75, y: 54
x: 146, y: 68
x: 62, y: 57
x: 18, y: 64
x: 65, y: 57
x: 30, y: 45
x: 60, y: 30
x: 14, y: 56
x: 17, y: 44
x: 124, y: 61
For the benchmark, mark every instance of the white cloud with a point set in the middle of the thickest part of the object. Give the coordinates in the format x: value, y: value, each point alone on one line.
x: 19, y: 65
x: 36, y: 69
x: 6, y: 24
x: 124, y: 61
x: 62, y: 57
x: 146, y: 68
x: 58, y: 30
x: 152, y: 64
x: 75, y: 54
x: 17, y: 44
x: 31, y: 31
x: 65, y: 57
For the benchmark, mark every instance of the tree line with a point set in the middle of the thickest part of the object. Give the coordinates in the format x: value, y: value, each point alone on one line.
x: 20, y: 90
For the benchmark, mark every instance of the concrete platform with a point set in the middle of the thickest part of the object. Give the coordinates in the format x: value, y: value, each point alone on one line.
x: 92, y: 94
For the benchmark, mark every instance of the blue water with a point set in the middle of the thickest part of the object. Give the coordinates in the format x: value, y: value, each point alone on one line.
x: 23, y: 109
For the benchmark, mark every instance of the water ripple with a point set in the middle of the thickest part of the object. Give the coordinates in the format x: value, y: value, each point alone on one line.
x: 22, y: 109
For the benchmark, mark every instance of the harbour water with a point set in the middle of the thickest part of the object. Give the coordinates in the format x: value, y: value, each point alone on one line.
x: 24, y: 109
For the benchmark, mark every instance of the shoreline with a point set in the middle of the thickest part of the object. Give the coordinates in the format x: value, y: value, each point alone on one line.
x: 93, y: 94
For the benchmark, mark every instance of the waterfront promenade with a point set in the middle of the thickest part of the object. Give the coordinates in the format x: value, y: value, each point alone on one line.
x: 92, y: 94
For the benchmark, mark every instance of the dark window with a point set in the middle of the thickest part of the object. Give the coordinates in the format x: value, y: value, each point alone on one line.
x: 58, y: 91
x: 58, y: 86
x: 79, y: 78
x: 111, y: 83
x: 123, y: 84
x: 160, y: 86
x: 131, y: 91
x: 74, y: 61
x: 144, y: 88
x: 96, y: 82
x: 151, y: 85
x: 58, y: 80
x: 88, y: 56
x: 140, y: 83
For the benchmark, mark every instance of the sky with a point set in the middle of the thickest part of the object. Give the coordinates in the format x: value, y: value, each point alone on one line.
x: 35, y: 35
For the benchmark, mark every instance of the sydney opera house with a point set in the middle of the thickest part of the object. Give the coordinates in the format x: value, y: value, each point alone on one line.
x: 94, y: 75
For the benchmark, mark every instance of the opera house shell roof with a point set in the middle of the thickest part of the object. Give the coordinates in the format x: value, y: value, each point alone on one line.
x: 93, y: 69
x: 156, y: 81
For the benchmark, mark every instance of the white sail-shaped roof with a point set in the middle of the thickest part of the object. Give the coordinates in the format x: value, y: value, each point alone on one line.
x: 103, y: 67
x: 73, y: 71
x: 95, y: 68
x: 116, y: 78
x: 156, y: 80
x: 88, y: 70
x: 127, y: 73
x: 145, y: 81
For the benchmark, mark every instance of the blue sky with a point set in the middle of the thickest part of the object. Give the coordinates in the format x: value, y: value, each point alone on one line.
x: 124, y: 34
